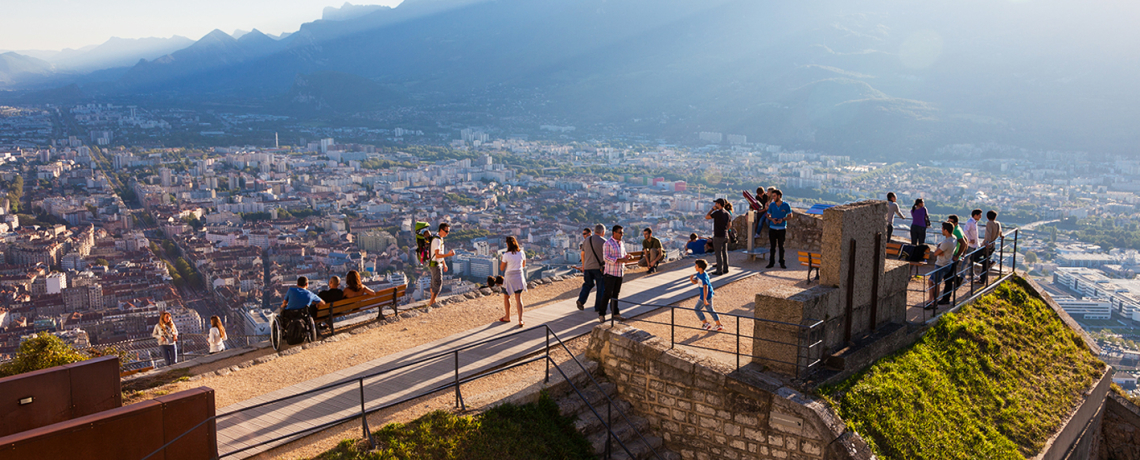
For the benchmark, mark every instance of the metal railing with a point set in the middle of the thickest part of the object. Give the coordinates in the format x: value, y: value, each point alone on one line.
x: 809, y: 335
x: 941, y: 288
x: 456, y: 382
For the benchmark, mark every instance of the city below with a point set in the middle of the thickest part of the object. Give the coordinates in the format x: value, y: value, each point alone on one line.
x: 105, y: 226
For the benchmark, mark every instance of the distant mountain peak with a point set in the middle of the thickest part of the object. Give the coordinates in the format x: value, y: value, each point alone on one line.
x: 349, y: 11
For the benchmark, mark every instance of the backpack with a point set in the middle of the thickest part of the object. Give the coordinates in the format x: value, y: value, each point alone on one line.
x: 732, y: 236
x: 423, y: 243
x: 295, y: 332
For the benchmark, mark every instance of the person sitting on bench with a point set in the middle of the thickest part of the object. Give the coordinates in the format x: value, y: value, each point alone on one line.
x: 300, y: 298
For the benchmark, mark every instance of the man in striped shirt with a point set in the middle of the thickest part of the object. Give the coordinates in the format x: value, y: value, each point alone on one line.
x: 615, y: 256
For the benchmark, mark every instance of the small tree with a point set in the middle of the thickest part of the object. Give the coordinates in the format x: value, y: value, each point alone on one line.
x: 41, y: 352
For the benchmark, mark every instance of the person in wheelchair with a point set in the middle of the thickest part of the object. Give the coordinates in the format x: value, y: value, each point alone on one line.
x: 294, y: 321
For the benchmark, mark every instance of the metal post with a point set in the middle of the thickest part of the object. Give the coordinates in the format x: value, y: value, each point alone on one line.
x: 1013, y: 268
x: 875, y: 270
x: 458, y: 396
x: 547, y: 354
x: 738, y: 342
x: 1001, y: 258
x: 850, y: 293
x: 610, y: 428
x: 672, y: 327
x: 364, y: 417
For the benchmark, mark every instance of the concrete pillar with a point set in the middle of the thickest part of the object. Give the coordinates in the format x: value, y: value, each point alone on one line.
x: 783, y: 346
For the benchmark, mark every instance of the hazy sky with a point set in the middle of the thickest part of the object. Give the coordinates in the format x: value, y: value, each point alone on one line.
x: 58, y: 24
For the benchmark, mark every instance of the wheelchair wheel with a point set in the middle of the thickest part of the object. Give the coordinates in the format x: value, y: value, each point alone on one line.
x: 275, y: 333
x: 312, y: 330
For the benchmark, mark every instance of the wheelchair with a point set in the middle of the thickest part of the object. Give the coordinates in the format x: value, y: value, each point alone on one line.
x: 293, y: 327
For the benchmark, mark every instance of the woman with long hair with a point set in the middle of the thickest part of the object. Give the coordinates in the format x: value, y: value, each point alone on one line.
x: 920, y: 219
x: 167, y: 334
x: 217, y: 338
x: 514, y: 281
x: 354, y: 287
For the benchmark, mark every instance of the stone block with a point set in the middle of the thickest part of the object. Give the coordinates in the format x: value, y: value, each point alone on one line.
x: 775, y: 440
x: 811, y: 448
x: 788, y: 305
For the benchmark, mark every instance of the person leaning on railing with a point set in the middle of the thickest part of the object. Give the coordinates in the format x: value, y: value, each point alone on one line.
x: 993, y: 232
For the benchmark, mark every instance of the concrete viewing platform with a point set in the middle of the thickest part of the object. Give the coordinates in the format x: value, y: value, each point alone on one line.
x: 256, y: 426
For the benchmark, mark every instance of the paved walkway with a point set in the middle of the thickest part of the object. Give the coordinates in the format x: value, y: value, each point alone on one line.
x: 261, y: 424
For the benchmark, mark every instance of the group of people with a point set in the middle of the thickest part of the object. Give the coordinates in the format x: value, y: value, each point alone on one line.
x: 166, y: 332
x: 958, y: 242
x: 774, y: 215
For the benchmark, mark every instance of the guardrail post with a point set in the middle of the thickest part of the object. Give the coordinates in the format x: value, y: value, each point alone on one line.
x: 1013, y: 269
x: 364, y: 417
x: 1001, y: 258
x: 458, y: 395
x: 547, y: 353
x: 613, y: 311
x: 609, y: 428
x: 672, y: 327
x: 738, y: 343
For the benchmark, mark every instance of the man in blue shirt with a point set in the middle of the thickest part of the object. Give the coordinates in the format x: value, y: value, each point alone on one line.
x: 696, y: 246
x: 298, y: 297
x: 778, y: 214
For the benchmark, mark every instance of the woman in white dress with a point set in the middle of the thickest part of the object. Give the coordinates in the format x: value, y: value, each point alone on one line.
x: 217, y: 338
x: 514, y: 281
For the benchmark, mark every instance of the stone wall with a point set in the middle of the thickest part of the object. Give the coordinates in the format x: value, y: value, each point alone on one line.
x: 805, y: 232
x: 1120, y: 429
x: 704, y: 409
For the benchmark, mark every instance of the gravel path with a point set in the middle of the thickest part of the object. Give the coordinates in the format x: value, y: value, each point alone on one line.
x: 371, y: 341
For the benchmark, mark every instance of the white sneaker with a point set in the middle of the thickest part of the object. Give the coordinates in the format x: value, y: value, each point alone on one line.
x: 717, y: 329
x: 706, y: 326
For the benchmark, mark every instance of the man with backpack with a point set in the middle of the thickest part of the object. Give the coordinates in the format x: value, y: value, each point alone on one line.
x: 437, y: 265
x: 651, y: 251
x: 592, y: 264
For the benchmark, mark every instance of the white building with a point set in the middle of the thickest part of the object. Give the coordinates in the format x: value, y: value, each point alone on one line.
x: 56, y: 282
x: 1085, y: 308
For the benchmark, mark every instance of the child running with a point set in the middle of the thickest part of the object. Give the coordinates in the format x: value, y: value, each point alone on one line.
x: 706, y: 290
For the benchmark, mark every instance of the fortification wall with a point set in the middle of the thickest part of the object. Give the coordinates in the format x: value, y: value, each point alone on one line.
x: 704, y: 409
x: 1120, y: 430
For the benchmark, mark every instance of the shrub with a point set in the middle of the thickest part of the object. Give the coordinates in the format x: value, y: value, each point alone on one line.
x: 41, y: 352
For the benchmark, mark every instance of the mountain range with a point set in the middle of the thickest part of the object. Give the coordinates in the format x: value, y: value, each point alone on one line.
x: 871, y: 78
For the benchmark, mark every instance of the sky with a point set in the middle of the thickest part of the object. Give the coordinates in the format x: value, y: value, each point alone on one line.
x: 58, y: 24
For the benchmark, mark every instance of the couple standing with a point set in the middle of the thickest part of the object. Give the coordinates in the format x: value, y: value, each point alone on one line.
x: 603, y: 266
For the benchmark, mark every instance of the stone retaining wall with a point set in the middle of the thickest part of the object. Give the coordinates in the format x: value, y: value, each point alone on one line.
x: 705, y: 409
x: 1120, y: 429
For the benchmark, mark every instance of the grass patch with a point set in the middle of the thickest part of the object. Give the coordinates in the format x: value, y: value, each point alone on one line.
x: 508, y: 432
x: 993, y: 381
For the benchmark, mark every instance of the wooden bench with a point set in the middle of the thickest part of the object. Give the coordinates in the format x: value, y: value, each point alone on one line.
x: 810, y: 260
x: 383, y: 298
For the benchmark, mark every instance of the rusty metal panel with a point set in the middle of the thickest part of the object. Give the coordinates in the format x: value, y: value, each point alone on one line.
x: 130, y: 432
x: 95, y: 386
x: 182, y: 411
x: 34, y: 399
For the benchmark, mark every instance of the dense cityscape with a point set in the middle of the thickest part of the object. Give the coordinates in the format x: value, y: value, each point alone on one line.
x: 105, y: 226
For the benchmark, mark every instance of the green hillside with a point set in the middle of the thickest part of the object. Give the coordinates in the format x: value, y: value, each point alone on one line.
x: 993, y: 381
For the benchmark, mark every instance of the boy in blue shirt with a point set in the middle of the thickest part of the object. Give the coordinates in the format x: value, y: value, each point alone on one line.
x: 706, y: 290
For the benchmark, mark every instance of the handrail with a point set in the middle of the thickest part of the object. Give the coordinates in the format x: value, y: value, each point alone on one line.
x: 455, y: 383
x: 965, y: 268
x: 803, y: 369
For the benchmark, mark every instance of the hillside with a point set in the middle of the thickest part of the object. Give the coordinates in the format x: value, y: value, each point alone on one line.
x: 994, y: 380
